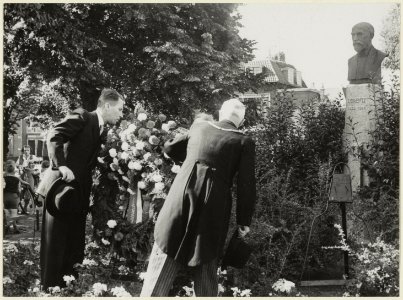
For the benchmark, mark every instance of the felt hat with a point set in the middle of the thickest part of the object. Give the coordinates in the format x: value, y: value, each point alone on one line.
x: 63, y: 199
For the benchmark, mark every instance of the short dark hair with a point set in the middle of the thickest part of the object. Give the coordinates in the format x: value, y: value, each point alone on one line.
x: 10, y: 166
x: 109, y: 95
x: 45, y: 164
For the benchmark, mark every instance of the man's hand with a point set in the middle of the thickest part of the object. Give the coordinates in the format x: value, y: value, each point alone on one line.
x: 67, y: 174
x: 243, y: 231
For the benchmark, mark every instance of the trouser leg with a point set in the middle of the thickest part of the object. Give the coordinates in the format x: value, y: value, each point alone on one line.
x: 161, y: 272
x: 205, y: 280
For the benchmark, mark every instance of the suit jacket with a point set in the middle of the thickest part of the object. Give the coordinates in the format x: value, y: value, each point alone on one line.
x: 367, y: 71
x: 75, y: 142
x: 193, y: 222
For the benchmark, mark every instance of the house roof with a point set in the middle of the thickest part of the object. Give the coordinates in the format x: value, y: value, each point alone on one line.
x: 275, y: 70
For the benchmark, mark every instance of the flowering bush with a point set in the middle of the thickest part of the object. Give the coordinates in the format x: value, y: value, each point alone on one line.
x: 375, y: 266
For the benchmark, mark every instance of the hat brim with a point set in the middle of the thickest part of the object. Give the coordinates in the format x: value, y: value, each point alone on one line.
x: 50, y: 204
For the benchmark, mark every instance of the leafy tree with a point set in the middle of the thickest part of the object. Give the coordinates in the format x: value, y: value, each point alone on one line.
x: 391, y: 37
x: 169, y: 57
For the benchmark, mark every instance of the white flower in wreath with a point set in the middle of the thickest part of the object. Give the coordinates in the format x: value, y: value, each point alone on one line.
x: 142, y: 185
x: 156, y: 178
x: 112, y: 223
x: 159, y: 186
x: 147, y: 156
x: 124, y: 155
x: 175, y: 169
x: 98, y: 288
x: 115, y: 161
x: 142, y: 117
x: 131, y: 128
x: 158, y: 161
x: 153, y: 140
x: 140, y: 145
x: 137, y: 166
x: 165, y: 127
x: 130, y: 165
x: 101, y: 160
x: 126, y: 179
x: 125, y: 146
x: 105, y: 242
x: 171, y: 124
x: 112, y: 152
x: 120, y: 172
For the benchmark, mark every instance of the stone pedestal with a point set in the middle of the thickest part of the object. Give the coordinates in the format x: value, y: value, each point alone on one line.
x: 361, y: 110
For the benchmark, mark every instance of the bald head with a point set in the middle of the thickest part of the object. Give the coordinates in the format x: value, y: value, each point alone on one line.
x: 362, y: 34
x: 232, y: 110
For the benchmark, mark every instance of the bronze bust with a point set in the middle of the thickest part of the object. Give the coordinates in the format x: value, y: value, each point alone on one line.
x: 365, y: 66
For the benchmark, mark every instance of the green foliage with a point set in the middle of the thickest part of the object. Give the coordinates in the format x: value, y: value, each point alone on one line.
x: 376, y: 208
x: 171, y: 58
x: 391, y: 37
x: 297, y: 149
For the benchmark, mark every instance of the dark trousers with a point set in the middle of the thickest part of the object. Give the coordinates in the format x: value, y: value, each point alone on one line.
x: 62, y: 246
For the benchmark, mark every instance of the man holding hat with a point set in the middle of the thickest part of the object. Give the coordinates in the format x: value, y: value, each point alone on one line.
x: 73, y: 146
x: 193, y: 223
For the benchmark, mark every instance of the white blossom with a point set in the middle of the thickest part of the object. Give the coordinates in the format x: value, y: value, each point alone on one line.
x: 246, y: 293
x: 147, y: 156
x: 165, y: 127
x: 119, y: 291
x: 125, y: 178
x: 111, y: 223
x: 137, y: 166
x: 115, y: 161
x: 142, y: 117
x: 101, y: 160
x: 124, y: 155
x: 7, y: 280
x: 175, y: 169
x: 141, y: 185
x: 171, y: 124
x: 68, y: 279
x: 112, y: 152
x: 105, y: 242
x: 125, y: 146
x: 54, y: 289
x: 283, y: 285
x: 159, y: 186
x: 28, y: 262
x: 141, y: 275
x: 89, y: 262
x: 140, y: 145
x: 158, y: 161
x: 156, y: 178
x: 99, y: 288
x: 131, y: 128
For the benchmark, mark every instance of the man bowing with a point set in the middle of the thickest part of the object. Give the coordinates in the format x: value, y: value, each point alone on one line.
x: 192, y: 226
x: 73, y: 146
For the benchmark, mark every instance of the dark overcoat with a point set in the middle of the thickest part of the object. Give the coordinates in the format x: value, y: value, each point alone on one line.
x: 75, y: 143
x: 193, y: 222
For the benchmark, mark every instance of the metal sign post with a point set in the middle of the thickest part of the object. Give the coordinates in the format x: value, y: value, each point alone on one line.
x: 341, y: 192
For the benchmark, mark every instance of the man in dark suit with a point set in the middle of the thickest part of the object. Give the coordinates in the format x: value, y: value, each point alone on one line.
x: 73, y: 146
x: 365, y: 66
x: 193, y: 223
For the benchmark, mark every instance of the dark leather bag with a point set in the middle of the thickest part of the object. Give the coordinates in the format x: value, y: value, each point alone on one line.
x: 237, y: 253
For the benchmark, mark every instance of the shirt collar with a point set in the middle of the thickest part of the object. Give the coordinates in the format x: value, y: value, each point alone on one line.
x: 100, y: 119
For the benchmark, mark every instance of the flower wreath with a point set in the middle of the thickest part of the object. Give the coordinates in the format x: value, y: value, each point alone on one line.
x: 131, y: 161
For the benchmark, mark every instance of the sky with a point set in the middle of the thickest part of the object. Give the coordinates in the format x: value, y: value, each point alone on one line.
x: 315, y: 37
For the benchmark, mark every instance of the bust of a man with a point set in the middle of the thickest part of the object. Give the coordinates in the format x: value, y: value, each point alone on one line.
x: 365, y: 66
